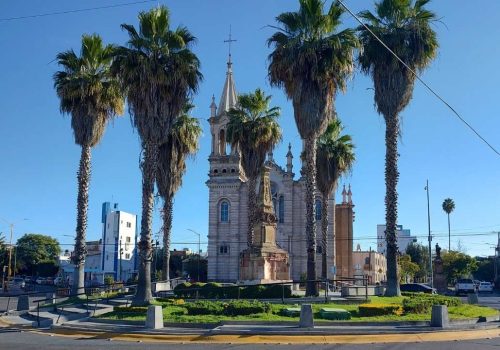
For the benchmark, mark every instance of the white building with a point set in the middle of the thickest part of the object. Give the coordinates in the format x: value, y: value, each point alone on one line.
x: 404, y: 238
x: 118, y: 243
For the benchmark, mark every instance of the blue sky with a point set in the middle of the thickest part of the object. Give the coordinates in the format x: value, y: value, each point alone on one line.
x: 39, y: 158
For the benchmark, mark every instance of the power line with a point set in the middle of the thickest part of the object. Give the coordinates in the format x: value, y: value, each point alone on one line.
x: 75, y: 11
x: 418, y: 78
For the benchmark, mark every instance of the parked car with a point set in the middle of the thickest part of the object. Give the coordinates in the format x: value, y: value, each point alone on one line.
x: 485, y: 287
x: 464, y: 285
x: 417, y: 288
x: 40, y: 280
x: 18, y: 282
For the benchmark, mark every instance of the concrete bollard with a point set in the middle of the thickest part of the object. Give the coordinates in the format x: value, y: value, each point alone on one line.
x: 154, y: 317
x: 23, y: 303
x: 306, y: 316
x: 472, y: 298
x: 51, y: 298
x: 439, y: 316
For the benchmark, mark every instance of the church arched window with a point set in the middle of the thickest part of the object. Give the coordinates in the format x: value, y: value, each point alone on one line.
x: 281, y: 209
x: 274, y: 196
x: 318, y: 210
x: 224, y: 211
x: 222, y: 142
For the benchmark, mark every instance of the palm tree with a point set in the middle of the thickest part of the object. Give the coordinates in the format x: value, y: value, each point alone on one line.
x: 404, y: 26
x: 311, y: 60
x: 254, y: 130
x: 335, y: 157
x: 182, y: 142
x: 87, y: 92
x: 448, y: 207
x: 158, y: 71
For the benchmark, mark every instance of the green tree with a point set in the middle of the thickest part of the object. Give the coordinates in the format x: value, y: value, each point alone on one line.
x: 405, y: 27
x: 181, y: 143
x: 92, y: 97
x: 485, y: 269
x: 420, y: 256
x: 407, y: 267
x: 334, y: 158
x: 158, y: 71
x: 35, y: 249
x: 311, y: 61
x: 253, y: 129
x: 3, y: 252
x: 448, y: 207
x: 190, y: 267
x: 457, y: 265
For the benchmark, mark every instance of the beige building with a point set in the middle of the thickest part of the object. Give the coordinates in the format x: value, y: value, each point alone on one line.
x: 228, y: 191
x: 370, y: 263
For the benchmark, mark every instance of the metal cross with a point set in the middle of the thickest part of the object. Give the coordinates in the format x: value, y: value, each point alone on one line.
x: 230, y: 40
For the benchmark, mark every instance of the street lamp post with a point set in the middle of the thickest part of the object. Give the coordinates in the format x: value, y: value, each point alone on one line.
x: 199, y: 237
x: 430, y: 237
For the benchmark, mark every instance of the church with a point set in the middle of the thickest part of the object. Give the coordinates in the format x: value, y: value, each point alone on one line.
x: 228, y: 191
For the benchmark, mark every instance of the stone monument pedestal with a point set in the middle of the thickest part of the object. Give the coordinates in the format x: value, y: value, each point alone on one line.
x: 439, y: 277
x: 264, y: 262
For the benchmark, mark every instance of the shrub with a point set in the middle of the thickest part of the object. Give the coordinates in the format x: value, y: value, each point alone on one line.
x: 131, y: 309
x: 246, y: 307
x: 265, y: 291
x: 366, y: 310
x: 211, y: 290
x: 109, y: 280
x: 422, y: 303
x: 182, y: 289
x: 205, y: 308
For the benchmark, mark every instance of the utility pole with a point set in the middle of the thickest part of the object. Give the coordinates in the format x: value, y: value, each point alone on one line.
x: 10, y: 251
x: 430, y: 237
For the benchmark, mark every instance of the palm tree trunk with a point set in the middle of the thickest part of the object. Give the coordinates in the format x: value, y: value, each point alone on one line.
x: 391, y: 203
x: 252, y: 202
x: 143, y: 295
x: 167, y: 228
x: 310, y: 145
x: 324, y: 237
x: 80, y: 252
x: 449, y: 233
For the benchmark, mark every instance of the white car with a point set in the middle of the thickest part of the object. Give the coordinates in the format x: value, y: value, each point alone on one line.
x: 485, y: 287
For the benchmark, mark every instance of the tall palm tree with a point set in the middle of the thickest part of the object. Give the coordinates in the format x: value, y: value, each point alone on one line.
x: 181, y: 143
x: 404, y: 26
x: 89, y: 93
x: 311, y: 60
x: 158, y: 71
x: 448, y: 207
x: 335, y: 157
x: 253, y: 129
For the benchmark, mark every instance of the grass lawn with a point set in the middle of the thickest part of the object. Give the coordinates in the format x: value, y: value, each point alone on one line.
x: 178, y: 313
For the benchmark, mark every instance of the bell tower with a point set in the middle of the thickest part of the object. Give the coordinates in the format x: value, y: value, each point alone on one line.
x: 224, y: 160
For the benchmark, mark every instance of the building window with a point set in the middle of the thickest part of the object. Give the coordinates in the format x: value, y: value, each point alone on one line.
x: 281, y: 210
x: 224, y: 211
x: 127, y: 256
x: 129, y: 224
x: 318, y: 210
x: 223, y: 249
x: 319, y: 249
x: 127, y: 239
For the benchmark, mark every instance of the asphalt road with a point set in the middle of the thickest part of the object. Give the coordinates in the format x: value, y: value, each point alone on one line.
x: 14, y: 339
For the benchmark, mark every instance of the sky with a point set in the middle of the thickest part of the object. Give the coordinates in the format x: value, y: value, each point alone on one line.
x: 39, y: 158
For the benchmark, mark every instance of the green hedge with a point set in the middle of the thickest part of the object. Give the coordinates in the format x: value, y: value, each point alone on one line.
x: 131, y: 309
x: 233, y: 308
x: 422, y: 303
x: 213, y: 290
x: 366, y: 310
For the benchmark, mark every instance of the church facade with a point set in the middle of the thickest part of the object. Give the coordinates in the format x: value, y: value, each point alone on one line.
x: 228, y: 191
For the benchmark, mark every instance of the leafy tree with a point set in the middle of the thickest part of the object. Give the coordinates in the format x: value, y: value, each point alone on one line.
x: 485, y: 269
x: 407, y: 268
x: 92, y: 97
x: 334, y: 158
x: 158, y: 71
x: 405, y: 27
x: 34, y: 249
x: 253, y: 129
x: 448, y: 207
x: 457, y: 265
x: 311, y: 61
x: 182, y: 142
x: 419, y: 255
x: 3, y: 252
x: 190, y: 267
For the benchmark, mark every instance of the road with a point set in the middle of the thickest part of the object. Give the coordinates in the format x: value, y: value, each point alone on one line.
x: 14, y: 339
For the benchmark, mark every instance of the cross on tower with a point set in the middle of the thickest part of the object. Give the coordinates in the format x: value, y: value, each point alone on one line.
x: 229, y: 41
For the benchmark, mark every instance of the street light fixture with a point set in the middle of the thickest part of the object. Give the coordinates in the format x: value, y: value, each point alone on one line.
x: 199, y: 238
